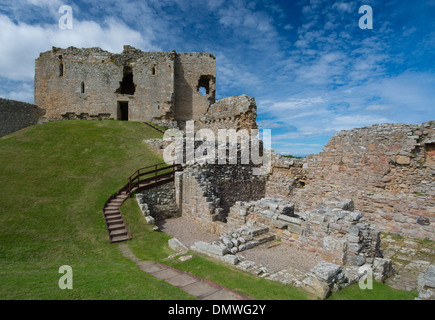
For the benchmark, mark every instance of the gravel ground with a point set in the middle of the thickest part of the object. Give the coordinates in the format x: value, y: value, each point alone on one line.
x: 186, y: 231
x: 275, y: 258
x: 281, y: 257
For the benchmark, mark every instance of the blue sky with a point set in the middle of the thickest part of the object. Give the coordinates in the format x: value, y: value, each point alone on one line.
x: 312, y: 70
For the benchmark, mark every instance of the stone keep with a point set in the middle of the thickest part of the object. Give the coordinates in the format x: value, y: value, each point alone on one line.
x: 162, y: 87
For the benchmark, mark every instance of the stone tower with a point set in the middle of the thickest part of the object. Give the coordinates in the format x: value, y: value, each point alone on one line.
x: 90, y: 83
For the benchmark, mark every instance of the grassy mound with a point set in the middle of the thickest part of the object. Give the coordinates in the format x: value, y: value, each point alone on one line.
x: 55, y: 179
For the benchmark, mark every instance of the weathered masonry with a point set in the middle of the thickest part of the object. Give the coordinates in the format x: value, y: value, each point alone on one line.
x: 161, y: 87
x: 16, y: 115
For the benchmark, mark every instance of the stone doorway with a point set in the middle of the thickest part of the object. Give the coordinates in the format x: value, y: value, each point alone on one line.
x: 123, y: 110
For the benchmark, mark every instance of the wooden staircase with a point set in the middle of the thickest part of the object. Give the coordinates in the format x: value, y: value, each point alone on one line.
x: 141, y: 179
x: 115, y: 224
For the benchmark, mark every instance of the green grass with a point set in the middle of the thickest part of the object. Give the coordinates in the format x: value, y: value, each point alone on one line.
x: 56, y: 178
x: 379, y: 292
x: 292, y: 157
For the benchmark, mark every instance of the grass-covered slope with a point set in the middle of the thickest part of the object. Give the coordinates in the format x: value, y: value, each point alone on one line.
x: 55, y: 179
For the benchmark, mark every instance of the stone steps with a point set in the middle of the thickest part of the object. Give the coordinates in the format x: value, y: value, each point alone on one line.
x: 265, y: 238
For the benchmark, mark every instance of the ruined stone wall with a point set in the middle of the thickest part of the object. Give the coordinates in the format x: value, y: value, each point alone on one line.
x: 193, y: 71
x: 16, y: 115
x: 208, y: 192
x: 388, y: 170
x: 237, y: 112
x: 93, y: 83
x: 338, y: 235
x: 160, y: 201
x: 58, y: 82
x: 286, y: 176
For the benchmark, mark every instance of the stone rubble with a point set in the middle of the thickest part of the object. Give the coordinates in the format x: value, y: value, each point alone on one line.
x: 426, y: 284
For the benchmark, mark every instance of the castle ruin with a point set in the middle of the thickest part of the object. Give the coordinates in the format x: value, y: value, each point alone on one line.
x: 160, y: 87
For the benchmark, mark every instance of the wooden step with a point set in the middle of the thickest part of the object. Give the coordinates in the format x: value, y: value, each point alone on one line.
x: 118, y: 232
x: 117, y: 201
x: 112, y: 211
x: 114, y: 227
x: 112, y: 206
x: 113, y: 216
x: 119, y: 239
x: 114, y: 220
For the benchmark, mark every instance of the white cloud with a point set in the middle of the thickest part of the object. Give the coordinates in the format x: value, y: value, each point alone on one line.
x: 22, y: 43
x: 21, y: 91
x: 343, y: 6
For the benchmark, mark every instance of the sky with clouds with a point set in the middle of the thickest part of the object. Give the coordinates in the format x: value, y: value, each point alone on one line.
x: 312, y: 70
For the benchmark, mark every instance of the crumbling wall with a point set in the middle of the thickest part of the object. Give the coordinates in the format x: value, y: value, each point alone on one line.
x: 194, y: 71
x: 386, y: 169
x: 159, y: 201
x: 16, y: 115
x: 333, y: 231
x: 286, y: 177
x: 209, y: 191
x: 237, y: 112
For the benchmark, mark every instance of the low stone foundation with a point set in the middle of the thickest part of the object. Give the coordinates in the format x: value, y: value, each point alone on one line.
x: 426, y: 284
x: 158, y: 203
x: 338, y: 235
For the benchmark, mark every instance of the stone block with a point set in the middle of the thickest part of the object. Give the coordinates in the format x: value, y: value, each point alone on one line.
x: 293, y: 228
x: 404, y: 160
x: 150, y: 220
x: 382, y: 269
x: 289, y: 219
x: 318, y: 288
x: 219, y: 250
x: 176, y: 245
x: 230, y: 258
x: 326, y: 271
x: 356, y: 260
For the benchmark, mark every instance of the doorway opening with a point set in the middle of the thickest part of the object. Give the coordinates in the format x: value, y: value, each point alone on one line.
x: 123, y: 110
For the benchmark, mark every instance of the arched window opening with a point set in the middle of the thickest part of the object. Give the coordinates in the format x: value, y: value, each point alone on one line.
x: 61, y: 69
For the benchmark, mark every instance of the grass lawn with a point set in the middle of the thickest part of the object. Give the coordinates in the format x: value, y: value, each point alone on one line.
x: 55, y: 179
x: 379, y: 292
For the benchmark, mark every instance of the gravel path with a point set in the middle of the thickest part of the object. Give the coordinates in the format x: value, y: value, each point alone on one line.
x: 185, y: 230
x: 281, y: 257
x: 276, y: 258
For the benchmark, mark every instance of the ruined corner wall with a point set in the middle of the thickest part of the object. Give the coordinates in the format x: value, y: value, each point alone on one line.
x: 388, y: 170
x: 193, y: 71
x: 237, y: 112
x: 206, y: 193
x: 286, y: 176
x: 160, y: 201
x: 16, y: 115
